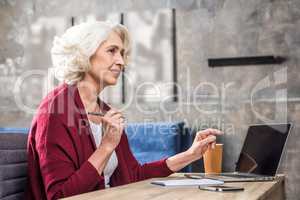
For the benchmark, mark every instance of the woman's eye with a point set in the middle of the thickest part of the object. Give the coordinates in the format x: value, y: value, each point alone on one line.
x: 112, y: 51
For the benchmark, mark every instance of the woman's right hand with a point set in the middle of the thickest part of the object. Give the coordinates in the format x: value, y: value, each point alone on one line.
x: 113, y: 126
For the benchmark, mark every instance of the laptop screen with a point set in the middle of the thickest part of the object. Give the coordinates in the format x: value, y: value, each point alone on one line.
x: 262, y: 149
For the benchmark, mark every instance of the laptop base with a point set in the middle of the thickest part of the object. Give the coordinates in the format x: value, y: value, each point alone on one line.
x: 235, y: 177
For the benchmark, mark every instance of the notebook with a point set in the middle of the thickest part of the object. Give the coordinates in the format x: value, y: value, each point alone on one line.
x: 187, y: 182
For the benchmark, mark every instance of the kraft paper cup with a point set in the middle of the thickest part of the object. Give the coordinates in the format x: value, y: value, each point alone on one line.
x: 212, y: 159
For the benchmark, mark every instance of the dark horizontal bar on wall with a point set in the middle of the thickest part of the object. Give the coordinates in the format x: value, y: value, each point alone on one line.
x: 254, y: 60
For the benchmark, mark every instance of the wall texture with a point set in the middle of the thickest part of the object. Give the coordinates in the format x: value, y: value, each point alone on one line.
x: 229, y: 98
x: 252, y: 94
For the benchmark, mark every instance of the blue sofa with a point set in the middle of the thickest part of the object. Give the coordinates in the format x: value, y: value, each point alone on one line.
x: 148, y: 142
x: 157, y: 140
x: 153, y: 141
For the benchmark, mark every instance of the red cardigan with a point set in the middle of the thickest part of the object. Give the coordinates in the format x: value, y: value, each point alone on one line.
x: 60, y: 143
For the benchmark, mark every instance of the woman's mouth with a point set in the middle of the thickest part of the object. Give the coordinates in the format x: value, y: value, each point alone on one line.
x: 116, y: 72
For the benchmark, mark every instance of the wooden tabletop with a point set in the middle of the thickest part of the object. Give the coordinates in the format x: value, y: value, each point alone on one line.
x: 145, y: 190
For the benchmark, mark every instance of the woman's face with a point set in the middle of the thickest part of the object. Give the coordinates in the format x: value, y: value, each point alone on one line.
x: 108, y: 61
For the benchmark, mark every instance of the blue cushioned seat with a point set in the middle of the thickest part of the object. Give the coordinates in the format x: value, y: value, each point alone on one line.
x: 148, y: 141
x: 155, y: 140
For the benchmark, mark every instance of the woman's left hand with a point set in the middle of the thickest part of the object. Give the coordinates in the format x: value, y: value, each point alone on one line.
x: 204, y: 140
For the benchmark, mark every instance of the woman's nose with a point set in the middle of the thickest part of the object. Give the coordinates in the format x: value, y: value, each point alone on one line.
x: 120, y: 59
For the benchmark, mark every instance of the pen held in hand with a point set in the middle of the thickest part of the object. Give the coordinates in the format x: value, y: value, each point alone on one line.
x: 96, y: 114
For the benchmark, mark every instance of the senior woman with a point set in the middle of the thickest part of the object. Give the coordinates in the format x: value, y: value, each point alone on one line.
x: 70, y: 150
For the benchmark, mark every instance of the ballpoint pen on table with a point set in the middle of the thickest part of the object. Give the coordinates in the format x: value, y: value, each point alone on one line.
x: 193, y: 176
x: 199, y: 176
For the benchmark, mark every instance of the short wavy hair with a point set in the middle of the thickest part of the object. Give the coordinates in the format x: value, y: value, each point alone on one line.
x: 72, y: 51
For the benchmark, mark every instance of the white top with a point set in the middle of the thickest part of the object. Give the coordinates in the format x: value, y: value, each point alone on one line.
x: 113, y: 160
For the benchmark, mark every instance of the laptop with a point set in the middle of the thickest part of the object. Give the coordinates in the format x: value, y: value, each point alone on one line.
x: 260, y: 155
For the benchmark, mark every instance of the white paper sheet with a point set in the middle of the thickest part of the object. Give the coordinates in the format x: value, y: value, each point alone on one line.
x: 187, y: 182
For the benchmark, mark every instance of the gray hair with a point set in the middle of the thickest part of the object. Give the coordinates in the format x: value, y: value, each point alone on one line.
x: 72, y: 51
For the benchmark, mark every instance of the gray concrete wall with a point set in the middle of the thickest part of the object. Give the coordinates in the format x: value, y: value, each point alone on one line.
x: 231, y: 28
x: 230, y: 98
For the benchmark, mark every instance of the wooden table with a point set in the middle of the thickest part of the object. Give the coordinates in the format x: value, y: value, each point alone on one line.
x: 144, y: 190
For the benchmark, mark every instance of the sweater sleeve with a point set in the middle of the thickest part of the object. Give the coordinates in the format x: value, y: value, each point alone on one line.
x: 148, y: 170
x: 61, y: 175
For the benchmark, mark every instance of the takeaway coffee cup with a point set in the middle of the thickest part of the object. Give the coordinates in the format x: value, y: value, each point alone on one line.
x: 212, y: 159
